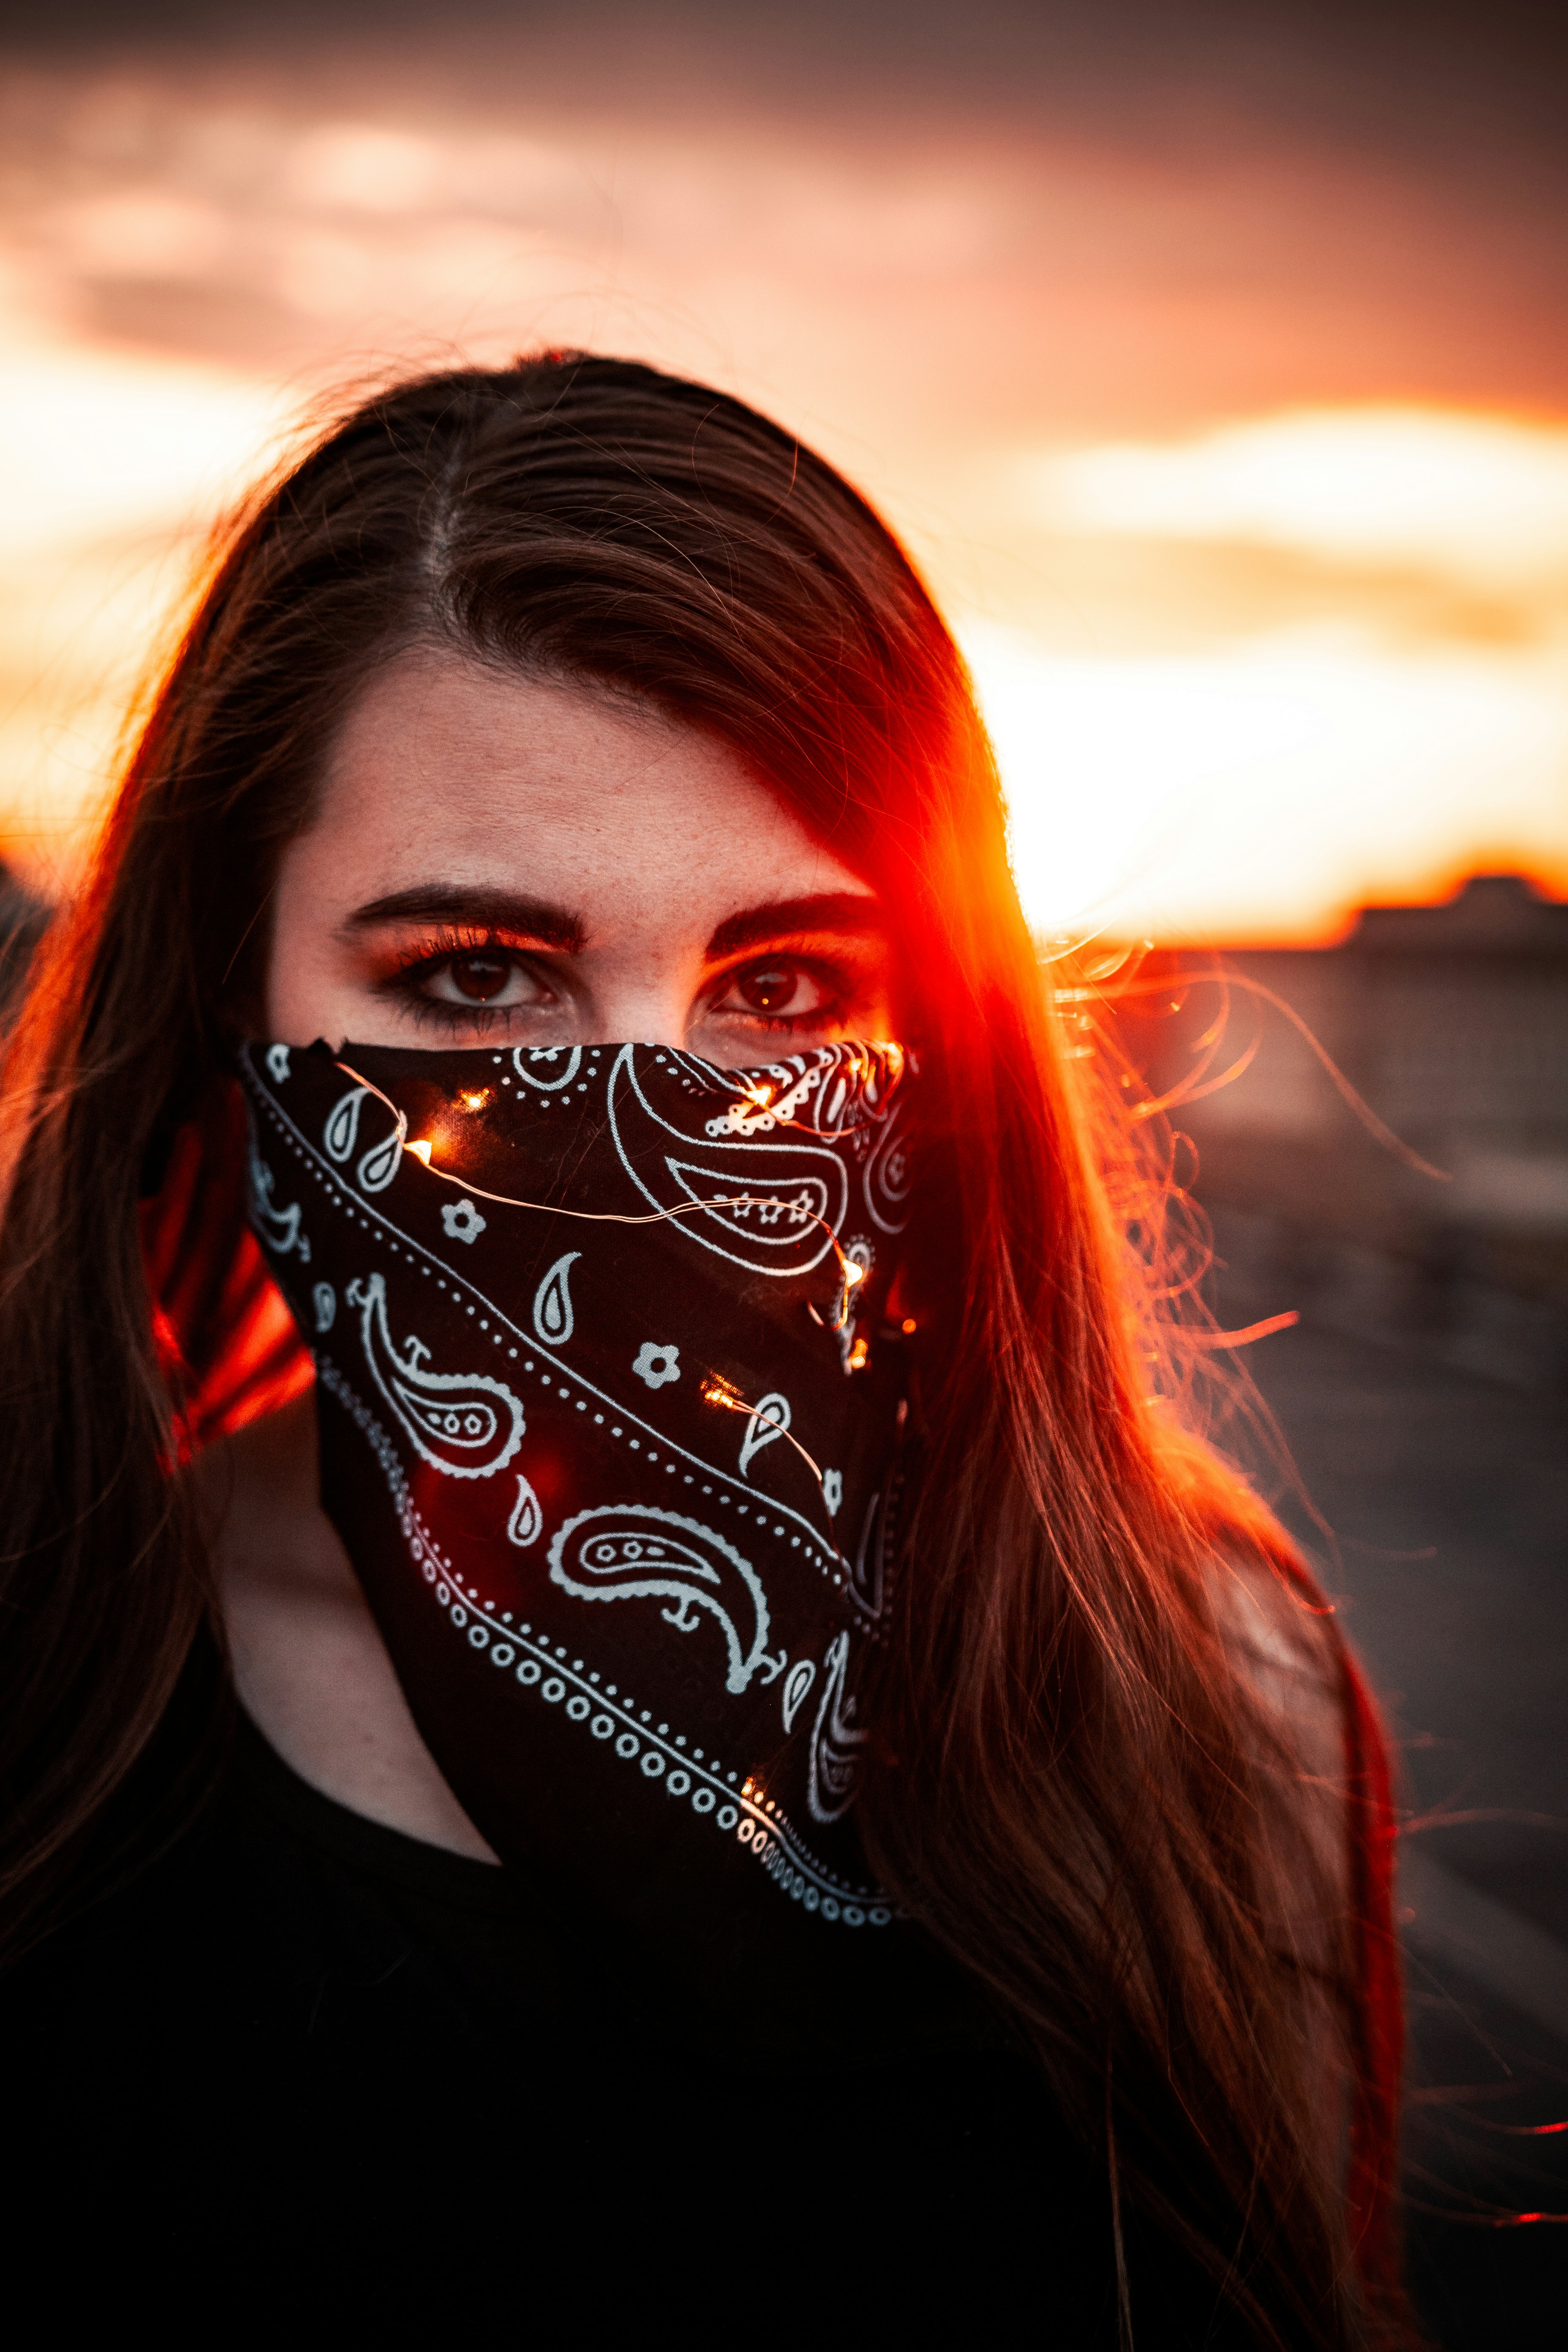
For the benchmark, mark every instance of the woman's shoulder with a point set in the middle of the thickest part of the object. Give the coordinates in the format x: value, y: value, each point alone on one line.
x: 1286, y: 1654
x: 1283, y: 1642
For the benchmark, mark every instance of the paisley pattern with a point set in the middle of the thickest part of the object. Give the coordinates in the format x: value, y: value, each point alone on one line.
x: 626, y: 1527
x: 769, y: 1422
x: 885, y: 1179
x: 774, y: 1207
x: 635, y: 1551
x: 552, y: 1318
x: 462, y: 1422
x: 342, y: 1130
x: 527, y: 1521
x: 835, y: 1741
x: 551, y: 1071
x: 277, y: 1228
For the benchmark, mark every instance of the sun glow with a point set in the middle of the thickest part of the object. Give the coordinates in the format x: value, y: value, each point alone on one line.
x: 112, y: 466
x: 1266, y: 786
x: 1378, y: 702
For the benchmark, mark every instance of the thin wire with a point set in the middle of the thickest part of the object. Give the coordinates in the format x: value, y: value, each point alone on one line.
x: 716, y: 1390
x: 849, y: 1272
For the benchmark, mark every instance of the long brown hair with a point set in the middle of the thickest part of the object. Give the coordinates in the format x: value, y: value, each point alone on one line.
x: 1075, y: 1786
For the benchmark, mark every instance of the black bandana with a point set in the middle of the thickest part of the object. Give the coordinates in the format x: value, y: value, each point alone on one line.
x: 619, y: 1493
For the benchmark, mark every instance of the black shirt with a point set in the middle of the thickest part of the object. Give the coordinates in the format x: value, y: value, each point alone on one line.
x: 304, y: 2072
x: 303, y: 2062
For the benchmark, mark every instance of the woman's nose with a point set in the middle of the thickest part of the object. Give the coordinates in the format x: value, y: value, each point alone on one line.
x: 647, y: 1010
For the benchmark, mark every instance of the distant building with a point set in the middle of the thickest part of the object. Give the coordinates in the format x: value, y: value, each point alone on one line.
x: 1451, y: 1023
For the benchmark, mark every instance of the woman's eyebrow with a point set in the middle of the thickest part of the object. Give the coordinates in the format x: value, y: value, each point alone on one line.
x: 839, y: 910
x: 479, y: 907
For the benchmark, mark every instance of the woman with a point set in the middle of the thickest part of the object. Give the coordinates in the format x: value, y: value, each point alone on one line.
x: 930, y: 1801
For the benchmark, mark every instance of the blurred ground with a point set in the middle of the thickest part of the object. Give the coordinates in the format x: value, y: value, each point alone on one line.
x: 1447, y: 1493
x: 1423, y: 1399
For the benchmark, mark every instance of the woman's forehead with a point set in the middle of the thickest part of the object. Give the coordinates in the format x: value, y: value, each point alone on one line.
x: 450, y: 778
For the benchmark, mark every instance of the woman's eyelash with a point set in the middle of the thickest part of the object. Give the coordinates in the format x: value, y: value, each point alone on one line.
x: 419, y: 958
x: 430, y: 1012
x: 820, y: 1016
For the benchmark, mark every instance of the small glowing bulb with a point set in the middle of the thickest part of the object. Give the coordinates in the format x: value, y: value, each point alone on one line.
x: 474, y: 1101
x: 853, y: 1274
x: 857, y: 1355
x: 421, y: 1151
x: 908, y: 1325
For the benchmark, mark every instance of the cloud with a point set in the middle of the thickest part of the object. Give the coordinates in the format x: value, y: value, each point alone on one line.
x: 1484, y: 498
x: 360, y: 167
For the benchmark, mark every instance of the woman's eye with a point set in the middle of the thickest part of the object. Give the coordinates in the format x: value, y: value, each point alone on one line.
x: 481, y: 976
x: 778, y: 989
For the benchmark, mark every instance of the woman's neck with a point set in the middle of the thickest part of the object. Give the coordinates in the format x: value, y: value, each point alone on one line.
x: 309, y: 1666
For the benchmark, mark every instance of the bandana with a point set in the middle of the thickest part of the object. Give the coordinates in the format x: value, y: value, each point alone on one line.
x: 620, y: 1485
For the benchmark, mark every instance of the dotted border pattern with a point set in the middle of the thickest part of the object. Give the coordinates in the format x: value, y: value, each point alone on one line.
x: 769, y: 1838
x: 380, y: 1227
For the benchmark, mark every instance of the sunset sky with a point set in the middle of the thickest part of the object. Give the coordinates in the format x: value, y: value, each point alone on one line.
x: 1213, y: 362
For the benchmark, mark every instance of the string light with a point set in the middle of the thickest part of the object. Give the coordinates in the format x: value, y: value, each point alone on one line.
x: 717, y: 1389
x: 849, y: 1273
